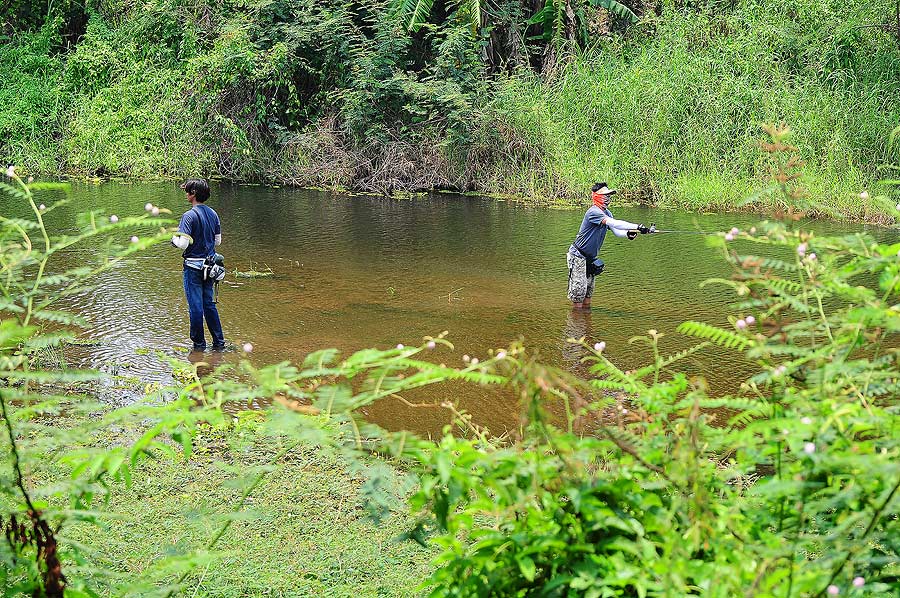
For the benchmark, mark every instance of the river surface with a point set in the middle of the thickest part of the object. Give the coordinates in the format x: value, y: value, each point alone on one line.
x: 353, y: 272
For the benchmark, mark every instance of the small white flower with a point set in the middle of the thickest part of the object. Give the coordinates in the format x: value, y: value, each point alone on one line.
x: 801, y: 249
x: 858, y: 582
x: 805, y: 421
x: 134, y: 239
x: 501, y: 354
x: 11, y: 171
x: 400, y: 347
x: 780, y: 370
x: 155, y: 211
x: 598, y: 347
x: 42, y: 207
x: 729, y: 237
x: 752, y: 230
x: 113, y: 218
x: 148, y: 206
x: 466, y: 359
x: 833, y: 590
x: 811, y: 257
x: 248, y: 348
x: 30, y: 180
x: 474, y: 361
x: 750, y: 320
x: 734, y: 230
x: 864, y: 195
x: 809, y: 448
x: 740, y: 324
x: 898, y: 207
x: 431, y: 344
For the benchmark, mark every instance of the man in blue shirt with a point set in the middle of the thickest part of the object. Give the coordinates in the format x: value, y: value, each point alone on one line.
x: 582, y: 258
x: 199, y: 233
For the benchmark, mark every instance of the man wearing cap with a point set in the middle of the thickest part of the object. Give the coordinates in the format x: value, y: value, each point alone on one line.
x: 582, y: 258
x: 199, y: 233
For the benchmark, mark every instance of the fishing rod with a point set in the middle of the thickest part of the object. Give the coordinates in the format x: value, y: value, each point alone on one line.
x: 654, y: 230
x: 684, y: 232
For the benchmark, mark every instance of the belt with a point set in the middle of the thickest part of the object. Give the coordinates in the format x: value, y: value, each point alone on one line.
x: 194, y: 263
x: 589, y: 258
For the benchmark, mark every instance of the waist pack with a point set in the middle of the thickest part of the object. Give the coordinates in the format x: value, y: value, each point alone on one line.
x: 213, y: 267
x: 595, y: 267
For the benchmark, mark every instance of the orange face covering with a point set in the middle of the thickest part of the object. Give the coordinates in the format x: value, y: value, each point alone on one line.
x: 599, y: 199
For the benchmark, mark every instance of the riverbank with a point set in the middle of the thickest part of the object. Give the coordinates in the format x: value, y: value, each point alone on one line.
x: 669, y: 110
x: 301, y: 531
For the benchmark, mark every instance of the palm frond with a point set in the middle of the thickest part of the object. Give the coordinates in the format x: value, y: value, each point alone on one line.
x: 617, y: 8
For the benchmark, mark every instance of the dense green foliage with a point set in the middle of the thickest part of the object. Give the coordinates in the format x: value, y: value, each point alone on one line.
x: 624, y: 484
x: 662, y: 98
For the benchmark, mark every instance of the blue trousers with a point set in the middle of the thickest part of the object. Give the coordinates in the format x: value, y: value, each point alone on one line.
x: 199, y: 295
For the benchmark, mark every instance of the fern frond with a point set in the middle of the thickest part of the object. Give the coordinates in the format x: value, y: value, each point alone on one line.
x: 731, y: 403
x: 669, y: 360
x: 437, y: 374
x: 781, y: 286
x: 14, y: 191
x: 787, y: 299
x: 21, y: 222
x: 604, y: 366
x: 745, y: 418
x: 60, y: 317
x: 786, y: 350
x: 718, y: 336
x: 607, y: 384
x: 48, y: 340
x: 767, y: 263
x: 10, y: 306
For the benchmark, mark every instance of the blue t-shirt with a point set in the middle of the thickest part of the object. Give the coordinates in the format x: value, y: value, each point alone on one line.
x: 592, y: 232
x: 202, y: 223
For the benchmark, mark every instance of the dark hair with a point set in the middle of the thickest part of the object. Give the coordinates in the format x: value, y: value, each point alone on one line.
x: 598, y: 186
x: 198, y: 188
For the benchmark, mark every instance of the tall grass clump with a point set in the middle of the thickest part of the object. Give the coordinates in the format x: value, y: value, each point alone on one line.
x: 667, y: 115
x: 31, y: 103
x: 663, y: 98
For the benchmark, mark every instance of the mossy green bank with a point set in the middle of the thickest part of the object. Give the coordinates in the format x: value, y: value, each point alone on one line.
x: 302, y: 531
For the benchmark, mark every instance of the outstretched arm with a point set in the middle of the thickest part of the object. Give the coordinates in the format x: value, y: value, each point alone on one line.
x: 619, y: 228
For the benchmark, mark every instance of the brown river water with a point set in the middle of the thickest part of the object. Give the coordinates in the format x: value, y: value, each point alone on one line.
x: 353, y: 272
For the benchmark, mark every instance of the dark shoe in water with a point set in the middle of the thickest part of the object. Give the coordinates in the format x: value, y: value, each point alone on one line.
x: 218, y: 347
x: 199, y: 348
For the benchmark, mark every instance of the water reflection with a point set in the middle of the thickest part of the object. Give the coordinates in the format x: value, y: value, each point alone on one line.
x: 206, y: 362
x: 578, y: 328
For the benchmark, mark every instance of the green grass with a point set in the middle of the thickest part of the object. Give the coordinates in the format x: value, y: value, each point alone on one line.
x: 302, y: 531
